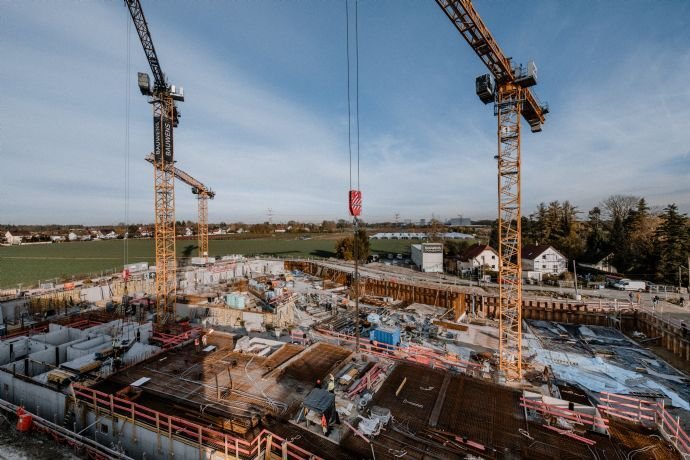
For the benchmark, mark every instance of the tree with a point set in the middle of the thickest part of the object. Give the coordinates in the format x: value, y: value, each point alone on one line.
x: 673, y: 243
x: 344, y: 248
x: 596, y: 244
x: 619, y: 206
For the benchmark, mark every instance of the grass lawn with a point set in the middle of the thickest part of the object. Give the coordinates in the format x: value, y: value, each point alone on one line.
x: 31, y: 263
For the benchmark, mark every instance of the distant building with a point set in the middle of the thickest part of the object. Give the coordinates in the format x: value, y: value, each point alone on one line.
x: 478, y: 256
x: 16, y: 236
x: 106, y: 234
x: 539, y: 260
x: 605, y: 264
x: 428, y: 257
x: 459, y: 222
x: 418, y: 236
x: 188, y: 231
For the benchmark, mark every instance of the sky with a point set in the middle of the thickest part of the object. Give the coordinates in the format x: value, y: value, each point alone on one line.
x: 265, y: 120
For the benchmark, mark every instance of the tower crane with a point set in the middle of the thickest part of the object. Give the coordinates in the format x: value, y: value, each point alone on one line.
x: 508, y: 88
x: 203, y: 194
x: 162, y: 97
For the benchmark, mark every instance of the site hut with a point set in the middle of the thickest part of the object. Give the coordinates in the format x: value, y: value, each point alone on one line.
x: 428, y: 257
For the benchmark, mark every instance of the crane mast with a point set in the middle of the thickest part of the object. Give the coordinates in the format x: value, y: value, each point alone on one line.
x: 508, y: 88
x: 203, y: 194
x: 165, y: 118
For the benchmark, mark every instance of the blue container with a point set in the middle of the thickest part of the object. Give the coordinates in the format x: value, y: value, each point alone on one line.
x: 240, y: 302
x: 387, y: 335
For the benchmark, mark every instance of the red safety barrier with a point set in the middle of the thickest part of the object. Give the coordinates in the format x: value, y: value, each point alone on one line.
x: 169, y: 340
x: 648, y: 412
x: 414, y: 353
x: 572, y: 435
x: 573, y: 416
x: 175, y: 426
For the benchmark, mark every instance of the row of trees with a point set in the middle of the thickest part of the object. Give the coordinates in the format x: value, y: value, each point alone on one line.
x: 651, y: 244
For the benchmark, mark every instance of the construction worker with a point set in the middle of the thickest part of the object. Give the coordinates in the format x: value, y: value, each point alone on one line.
x: 331, y: 383
x: 196, y: 344
x: 318, y: 383
x: 639, y: 297
x: 324, y: 424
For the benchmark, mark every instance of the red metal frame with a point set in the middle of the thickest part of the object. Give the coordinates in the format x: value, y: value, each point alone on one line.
x: 416, y: 354
x: 573, y: 416
x: 643, y: 411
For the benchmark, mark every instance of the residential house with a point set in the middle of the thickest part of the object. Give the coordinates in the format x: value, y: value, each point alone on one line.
x: 79, y: 235
x: 476, y: 257
x: 604, y: 264
x: 144, y: 232
x: 188, y: 232
x: 16, y: 236
x: 540, y: 260
x: 106, y: 234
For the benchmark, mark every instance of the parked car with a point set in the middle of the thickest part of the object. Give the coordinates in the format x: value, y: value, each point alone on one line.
x: 630, y: 285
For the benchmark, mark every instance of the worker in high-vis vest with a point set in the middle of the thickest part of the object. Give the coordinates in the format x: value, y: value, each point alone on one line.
x: 324, y: 424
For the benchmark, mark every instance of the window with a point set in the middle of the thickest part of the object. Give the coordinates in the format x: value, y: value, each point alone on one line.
x: 543, y: 266
x: 493, y: 257
x: 104, y: 428
x: 544, y: 257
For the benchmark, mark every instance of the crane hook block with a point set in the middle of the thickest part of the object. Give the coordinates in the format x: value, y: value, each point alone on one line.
x: 355, y: 203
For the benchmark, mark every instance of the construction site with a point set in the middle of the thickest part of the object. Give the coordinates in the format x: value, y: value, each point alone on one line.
x: 232, y: 357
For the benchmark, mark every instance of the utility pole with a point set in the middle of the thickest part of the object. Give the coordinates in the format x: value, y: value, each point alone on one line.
x: 577, y: 296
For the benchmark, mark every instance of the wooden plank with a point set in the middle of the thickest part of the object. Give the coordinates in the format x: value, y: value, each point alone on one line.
x: 440, y: 399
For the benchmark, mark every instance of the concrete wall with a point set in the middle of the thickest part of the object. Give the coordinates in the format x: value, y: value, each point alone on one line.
x: 137, y: 441
x: 13, y: 349
x: 10, y: 311
x: 43, y: 401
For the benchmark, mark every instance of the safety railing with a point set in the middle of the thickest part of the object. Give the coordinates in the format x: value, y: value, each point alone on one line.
x: 187, y: 431
x: 413, y: 353
x: 551, y: 411
x: 650, y: 413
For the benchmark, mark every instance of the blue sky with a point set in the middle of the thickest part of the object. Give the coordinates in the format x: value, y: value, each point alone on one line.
x: 265, y: 120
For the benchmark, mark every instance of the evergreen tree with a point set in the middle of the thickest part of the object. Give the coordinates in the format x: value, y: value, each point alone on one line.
x: 673, y: 244
x: 597, y: 247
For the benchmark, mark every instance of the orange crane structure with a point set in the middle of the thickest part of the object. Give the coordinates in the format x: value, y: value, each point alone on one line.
x: 508, y: 88
x: 203, y: 194
x: 162, y: 97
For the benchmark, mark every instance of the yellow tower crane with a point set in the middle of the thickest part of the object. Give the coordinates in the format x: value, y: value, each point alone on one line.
x: 203, y: 194
x: 508, y: 88
x: 162, y: 97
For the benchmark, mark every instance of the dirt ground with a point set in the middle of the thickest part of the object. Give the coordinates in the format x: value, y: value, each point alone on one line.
x: 21, y: 446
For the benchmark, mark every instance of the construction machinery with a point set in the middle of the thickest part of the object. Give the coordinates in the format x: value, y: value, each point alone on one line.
x: 508, y: 88
x: 162, y: 97
x: 203, y: 194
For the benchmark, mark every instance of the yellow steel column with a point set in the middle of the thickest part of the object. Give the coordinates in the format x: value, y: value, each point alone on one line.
x: 508, y: 107
x: 164, y: 184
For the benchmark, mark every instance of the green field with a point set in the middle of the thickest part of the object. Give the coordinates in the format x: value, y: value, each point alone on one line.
x: 33, y: 263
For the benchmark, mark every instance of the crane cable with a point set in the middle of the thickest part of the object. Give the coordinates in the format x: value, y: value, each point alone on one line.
x: 353, y: 138
x: 127, y: 180
x: 355, y: 208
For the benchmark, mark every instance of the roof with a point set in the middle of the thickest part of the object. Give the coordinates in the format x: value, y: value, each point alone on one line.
x: 532, y: 251
x: 19, y: 233
x: 474, y: 250
x: 319, y: 400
